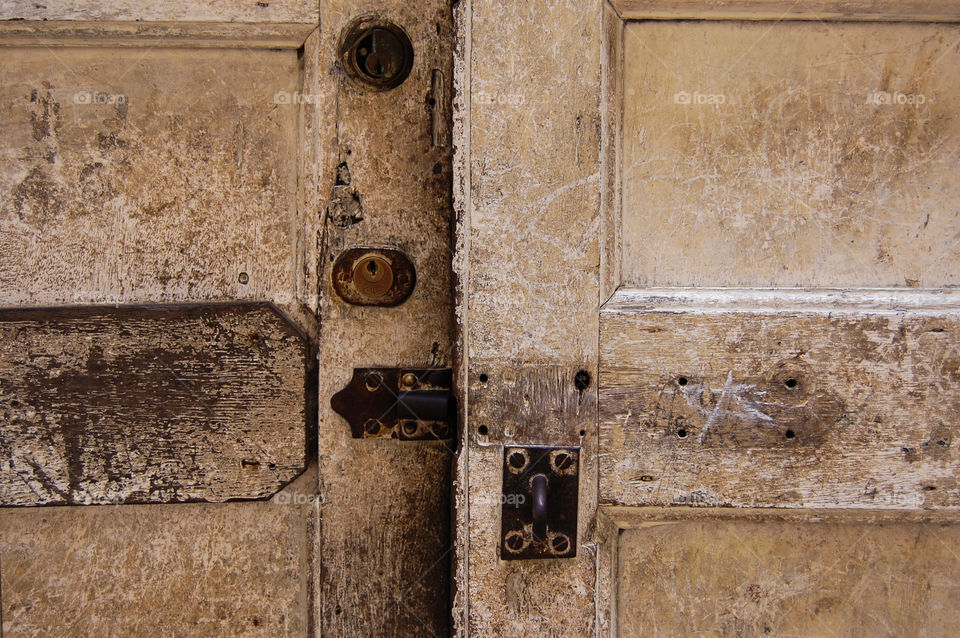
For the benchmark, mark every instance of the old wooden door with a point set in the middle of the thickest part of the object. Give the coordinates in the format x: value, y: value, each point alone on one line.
x: 179, y: 180
x: 710, y: 248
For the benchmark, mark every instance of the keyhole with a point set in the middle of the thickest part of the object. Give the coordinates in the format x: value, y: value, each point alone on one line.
x: 378, y: 53
x: 372, y: 268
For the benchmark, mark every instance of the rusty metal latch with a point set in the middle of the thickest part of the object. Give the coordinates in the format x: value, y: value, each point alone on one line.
x: 400, y: 403
x: 539, y: 502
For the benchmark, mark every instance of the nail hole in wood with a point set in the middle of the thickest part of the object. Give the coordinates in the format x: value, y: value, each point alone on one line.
x: 582, y: 380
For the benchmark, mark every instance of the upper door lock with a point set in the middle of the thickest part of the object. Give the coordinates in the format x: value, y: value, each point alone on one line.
x: 377, y: 53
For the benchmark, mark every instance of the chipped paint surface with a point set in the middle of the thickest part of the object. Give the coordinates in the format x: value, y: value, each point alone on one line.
x: 150, y: 406
x: 527, y: 197
x: 788, y: 154
x: 168, y: 189
x: 140, y: 571
x: 790, y: 409
x: 690, y: 571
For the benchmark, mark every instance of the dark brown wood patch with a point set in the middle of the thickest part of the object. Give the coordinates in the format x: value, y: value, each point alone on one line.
x: 149, y: 404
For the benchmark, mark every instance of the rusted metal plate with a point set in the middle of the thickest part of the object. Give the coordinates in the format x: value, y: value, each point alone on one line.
x: 397, y: 403
x: 539, y: 502
x: 150, y: 404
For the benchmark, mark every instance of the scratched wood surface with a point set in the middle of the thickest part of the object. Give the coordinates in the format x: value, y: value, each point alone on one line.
x: 527, y: 199
x: 790, y: 154
x: 127, y: 405
x: 691, y: 571
x: 151, y: 175
x: 734, y: 402
x: 385, y: 162
x: 142, y: 571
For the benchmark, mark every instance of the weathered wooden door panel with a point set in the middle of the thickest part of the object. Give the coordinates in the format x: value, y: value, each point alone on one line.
x: 141, y: 571
x: 149, y: 175
x: 698, y: 572
x: 197, y: 152
x: 615, y: 158
x: 150, y: 405
x: 803, y: 154
x: 785, y: 399
x: 147, y: 158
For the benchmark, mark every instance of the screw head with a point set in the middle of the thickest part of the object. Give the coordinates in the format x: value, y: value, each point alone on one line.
x: 560, y: 544
x: 562, y: 461
x: 409, y: 380
x: 372, y: 426
x: 513, y: 540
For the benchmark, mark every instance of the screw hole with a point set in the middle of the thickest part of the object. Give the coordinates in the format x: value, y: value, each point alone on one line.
x: 482, y: 430
x: 790, y: 383
x: 790, y: 434
x: 483, y: 377
x: 682, y: 381
x: 517, y: 460
x: 583, y: 433
x: 243, y: 278
x: 682, y: 433
x: 582, y: 380
x: 338, y: 610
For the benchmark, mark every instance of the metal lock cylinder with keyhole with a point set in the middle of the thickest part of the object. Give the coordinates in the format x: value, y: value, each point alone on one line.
x: 377, y: 53
x: 373, y: 277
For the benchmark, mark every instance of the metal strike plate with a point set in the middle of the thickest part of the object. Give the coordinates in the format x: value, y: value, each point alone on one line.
x: 539, y: 502
x: 373, y: 277
x: 398, y: 403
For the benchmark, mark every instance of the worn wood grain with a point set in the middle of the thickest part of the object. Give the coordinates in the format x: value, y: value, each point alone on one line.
x: 385, y: 182
x: 819, y: 10
x: 159, y: 175
x: 693, y: 571
x: 742, y: 404
x: 528, y: 199
x: 137, y: 405
x: 790, y: 154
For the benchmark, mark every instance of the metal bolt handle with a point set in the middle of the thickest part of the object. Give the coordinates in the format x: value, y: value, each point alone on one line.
x: 539, y: 488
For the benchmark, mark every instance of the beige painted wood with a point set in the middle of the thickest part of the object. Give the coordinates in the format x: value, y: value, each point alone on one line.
x: 695, y: 571
x: 150, y: 176
x: 758, y: 198
x: 788, y: 167
x: 63, y: 33
x: 141, y: 571
x: 821, y: 405
x: 274, y: 11
x: 527, y: 201
x: 818, y: 10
